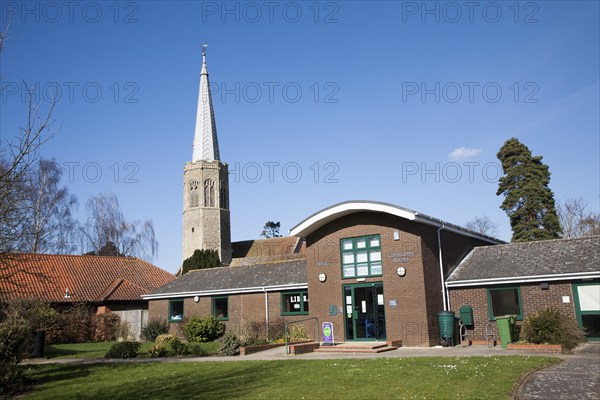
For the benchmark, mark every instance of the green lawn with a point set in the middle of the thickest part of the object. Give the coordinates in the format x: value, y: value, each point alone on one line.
x: 97, y: 350
x: 380, y: 378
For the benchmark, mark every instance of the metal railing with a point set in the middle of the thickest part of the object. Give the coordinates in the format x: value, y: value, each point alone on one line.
x: 287, y: 350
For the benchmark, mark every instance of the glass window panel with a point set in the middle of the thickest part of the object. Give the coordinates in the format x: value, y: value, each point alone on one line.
x: 376, y: 269
x: 505, y: 302
x: 220, y: 307
x: 375, y: 255
x: 294, y: 303
x: 362, y: 269
x: 348, y: 258
x: 347, y: 244
x: 349, y: 271
x: 361, y: 257
x: 176, y: 313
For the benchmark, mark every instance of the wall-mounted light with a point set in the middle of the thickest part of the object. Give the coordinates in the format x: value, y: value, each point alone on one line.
x: 396, y: 235
x: 401, y: 271
x: 322, y: 277
x: 196, y: 299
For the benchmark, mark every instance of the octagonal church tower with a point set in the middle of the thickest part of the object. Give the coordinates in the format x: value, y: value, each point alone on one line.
x: 206, y: 222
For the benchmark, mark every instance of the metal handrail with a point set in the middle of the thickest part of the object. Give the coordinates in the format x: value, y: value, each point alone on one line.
x: 287, y: 350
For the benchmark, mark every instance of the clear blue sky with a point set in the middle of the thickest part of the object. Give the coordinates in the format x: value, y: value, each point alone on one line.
x: 397, y: 99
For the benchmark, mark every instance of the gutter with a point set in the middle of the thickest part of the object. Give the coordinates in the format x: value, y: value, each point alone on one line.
x: 258, y: 289
x: 524, y: 279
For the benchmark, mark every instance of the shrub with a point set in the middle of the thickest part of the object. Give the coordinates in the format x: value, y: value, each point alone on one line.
x: 123, y: 350
x: 255, y: 342
x: 206, y: 329
x: 230, y: 345
x: 154, y: 327
x: 15, y: 334
x: 553, y: 327
x: 166, y: 338
x: 157, y: 351
x: 168, y: 346
x: 75, y: 325
x: 297, y: 333
x: 253, y: 331
x: 195, y: 349
x: 276, y: 328
x: 124, y: 331
x: 105, y: 327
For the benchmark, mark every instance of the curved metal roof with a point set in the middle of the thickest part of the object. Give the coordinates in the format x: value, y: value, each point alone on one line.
x: 320, y: 218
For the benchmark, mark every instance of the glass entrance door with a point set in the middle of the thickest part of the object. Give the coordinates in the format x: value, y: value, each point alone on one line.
x: 365, y: 316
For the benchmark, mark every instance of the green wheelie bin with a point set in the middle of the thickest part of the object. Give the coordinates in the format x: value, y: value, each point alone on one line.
x: 506, y: 327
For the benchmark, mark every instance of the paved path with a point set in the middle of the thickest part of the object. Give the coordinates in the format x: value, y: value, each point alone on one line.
x: 577, y: 377
x: 278, y: 353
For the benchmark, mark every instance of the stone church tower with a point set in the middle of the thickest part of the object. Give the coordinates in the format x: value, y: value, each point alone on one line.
x: 206, y: 184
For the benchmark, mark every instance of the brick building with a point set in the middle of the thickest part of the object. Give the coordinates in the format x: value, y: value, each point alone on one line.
x: 263, y: 288
x: 107, y: 284
x: 522, y: 278
x: 376, y: 271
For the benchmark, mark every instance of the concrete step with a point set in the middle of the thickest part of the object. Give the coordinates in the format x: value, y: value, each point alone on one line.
x: 356, y: 348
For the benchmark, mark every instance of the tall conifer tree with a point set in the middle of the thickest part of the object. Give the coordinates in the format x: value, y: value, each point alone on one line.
x: 528, y: 200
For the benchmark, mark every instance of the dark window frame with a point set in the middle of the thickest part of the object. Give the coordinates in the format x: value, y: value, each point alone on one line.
x: 172, y: 302
x: 303, y: 304
x: 489, y: 291
x: 213, y: 301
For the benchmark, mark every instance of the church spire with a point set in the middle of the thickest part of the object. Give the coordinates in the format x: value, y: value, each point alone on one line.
x: 206, y: 145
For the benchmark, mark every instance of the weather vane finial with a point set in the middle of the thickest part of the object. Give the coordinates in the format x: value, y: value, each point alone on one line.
x: 204, y: 46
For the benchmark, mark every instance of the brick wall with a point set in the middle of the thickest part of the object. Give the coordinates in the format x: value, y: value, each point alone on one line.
x: 418, y: 295
x: 244, y: 310
x: 533, y: 299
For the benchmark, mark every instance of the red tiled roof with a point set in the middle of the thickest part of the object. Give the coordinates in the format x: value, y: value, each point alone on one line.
x: 87, y: 278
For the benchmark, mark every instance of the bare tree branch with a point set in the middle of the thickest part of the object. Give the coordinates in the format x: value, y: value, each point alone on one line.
x: 483, y: 225
x: 575, y: 220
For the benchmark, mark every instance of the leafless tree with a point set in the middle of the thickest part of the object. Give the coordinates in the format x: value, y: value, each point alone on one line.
x: 16, y: 157
x: 576, y: 221
x: 49, y: 225
x: 483, y: 225
x: 106, y: 231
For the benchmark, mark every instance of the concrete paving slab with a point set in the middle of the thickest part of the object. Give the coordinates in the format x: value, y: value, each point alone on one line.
x: 577, y: 377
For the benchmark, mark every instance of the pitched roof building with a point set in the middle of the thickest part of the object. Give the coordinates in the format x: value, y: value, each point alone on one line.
x: 70, y: 278
x: 523, y: 278
x: 547, y: 260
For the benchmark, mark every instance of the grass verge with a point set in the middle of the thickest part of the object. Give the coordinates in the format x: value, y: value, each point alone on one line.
x: 99, y: 349
x: 383, y: 378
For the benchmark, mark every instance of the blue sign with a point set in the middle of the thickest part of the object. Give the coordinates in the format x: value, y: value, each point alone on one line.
x: 327, y: 332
